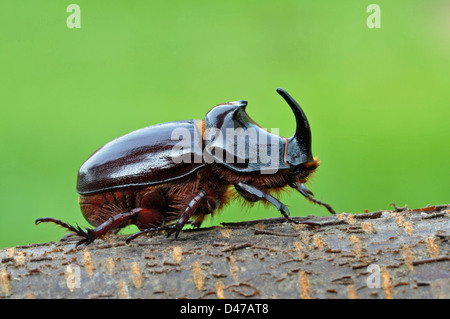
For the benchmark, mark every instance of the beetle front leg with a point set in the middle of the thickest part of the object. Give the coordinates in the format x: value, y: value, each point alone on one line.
x: 243, y: 188
x: 309, y: 195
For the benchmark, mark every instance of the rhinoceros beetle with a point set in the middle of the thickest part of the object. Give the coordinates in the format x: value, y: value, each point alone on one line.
x: 158, y: 181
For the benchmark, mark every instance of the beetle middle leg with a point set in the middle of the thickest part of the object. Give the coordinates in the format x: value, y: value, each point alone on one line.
x: 245, y: 190
x: 187, y: 213
x: 209, y: 205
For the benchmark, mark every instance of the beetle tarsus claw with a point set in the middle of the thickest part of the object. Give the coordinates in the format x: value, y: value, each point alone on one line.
x: 312, y: 224
x: 134, y: 236
x: 284, y: 210
x: 81, y: 242
x: 145, y: 231
x: 173, y: 229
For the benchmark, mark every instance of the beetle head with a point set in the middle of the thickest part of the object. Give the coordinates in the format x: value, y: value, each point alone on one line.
x: 299, y: 147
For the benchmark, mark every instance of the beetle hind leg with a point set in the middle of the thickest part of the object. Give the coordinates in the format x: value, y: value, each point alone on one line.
x: 76, y: 231
x: 142, y: 217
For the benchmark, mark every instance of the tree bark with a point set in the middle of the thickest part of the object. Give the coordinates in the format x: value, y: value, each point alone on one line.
x: 386, y: 254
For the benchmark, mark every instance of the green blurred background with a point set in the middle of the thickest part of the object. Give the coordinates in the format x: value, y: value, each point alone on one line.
x: 377, y: 99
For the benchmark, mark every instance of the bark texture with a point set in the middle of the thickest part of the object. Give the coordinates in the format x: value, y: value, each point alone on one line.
x: 386, y: 254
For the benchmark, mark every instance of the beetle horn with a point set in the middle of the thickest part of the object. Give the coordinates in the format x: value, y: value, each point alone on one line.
x: 299, y: 148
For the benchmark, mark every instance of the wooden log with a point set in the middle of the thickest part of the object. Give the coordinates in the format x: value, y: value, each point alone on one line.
x: 386, y: 254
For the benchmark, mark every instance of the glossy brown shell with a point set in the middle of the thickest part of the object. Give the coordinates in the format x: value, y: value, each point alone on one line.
x: 142, y: 157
